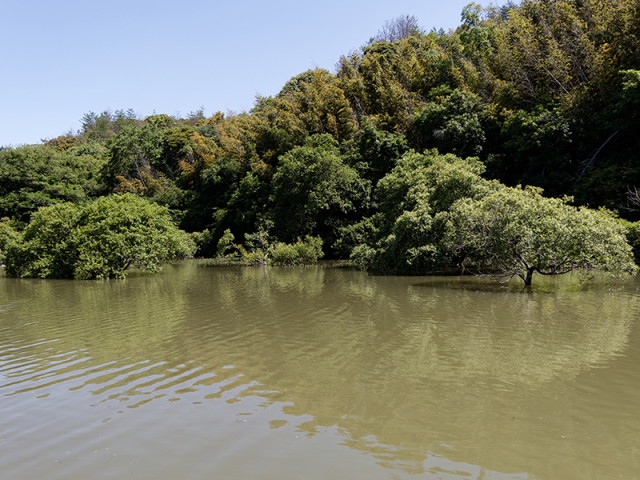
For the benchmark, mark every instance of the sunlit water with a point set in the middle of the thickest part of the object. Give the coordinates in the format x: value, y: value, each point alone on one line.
x: 251, y: 373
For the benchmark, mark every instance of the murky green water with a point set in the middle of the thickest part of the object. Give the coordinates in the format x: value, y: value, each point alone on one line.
x: 242, y: 373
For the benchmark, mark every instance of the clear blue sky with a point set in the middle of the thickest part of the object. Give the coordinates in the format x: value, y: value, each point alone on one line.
x: 64, y: 58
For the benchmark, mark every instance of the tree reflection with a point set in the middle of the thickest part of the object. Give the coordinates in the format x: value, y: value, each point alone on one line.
x: 411, y: 372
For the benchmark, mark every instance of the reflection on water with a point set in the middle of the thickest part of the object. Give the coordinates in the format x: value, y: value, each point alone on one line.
x: 290, y: 373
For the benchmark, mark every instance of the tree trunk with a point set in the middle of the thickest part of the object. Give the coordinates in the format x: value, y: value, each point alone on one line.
x: 527, y: 280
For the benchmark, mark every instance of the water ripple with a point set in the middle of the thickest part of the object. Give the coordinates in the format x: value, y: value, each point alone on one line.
x: 394, y: 367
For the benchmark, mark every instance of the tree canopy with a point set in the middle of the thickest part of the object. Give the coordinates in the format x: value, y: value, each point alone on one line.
x: 405, y: 236
x: 36, y: 176
x: 516, y: 231
x: 314, y: 191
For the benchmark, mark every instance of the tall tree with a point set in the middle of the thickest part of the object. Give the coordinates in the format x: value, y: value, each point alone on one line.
x: 315, y: 192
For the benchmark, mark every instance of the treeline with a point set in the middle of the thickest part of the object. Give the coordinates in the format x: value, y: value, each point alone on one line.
x: 543, y: 93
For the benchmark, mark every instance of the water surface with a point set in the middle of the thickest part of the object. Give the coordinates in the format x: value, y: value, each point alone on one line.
x: 287, y: 373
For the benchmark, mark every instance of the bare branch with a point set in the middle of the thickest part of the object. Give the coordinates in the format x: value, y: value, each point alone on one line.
x: 593, y: 158
x: 397, y: 29
x: 633, y: 198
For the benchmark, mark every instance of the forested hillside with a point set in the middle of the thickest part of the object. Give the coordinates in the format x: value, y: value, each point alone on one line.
x: 541, y: 93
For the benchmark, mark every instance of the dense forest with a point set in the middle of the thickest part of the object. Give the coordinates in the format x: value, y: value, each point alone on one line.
x: 395, y: 159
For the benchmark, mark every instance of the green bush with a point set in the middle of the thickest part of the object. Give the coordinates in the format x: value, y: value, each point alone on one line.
x: 285, y: 254
x: 7, y: 235
x: 97, y: 240
x: 632, y: 232
x: 258, y: 250
x: 303, y: 252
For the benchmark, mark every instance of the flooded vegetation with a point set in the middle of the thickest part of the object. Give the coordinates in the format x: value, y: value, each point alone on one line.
x: 506, y: 146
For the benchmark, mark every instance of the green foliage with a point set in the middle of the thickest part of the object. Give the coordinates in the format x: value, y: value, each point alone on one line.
x: 202, y: 241
x: 452, y: 123
x: 315, y: 192
x: 436, y: 211
x: 519, y: 232
x: 277, y: 128
x: 8, y: 234
x: 406, y: 237
x: 568, y: 51
x: 225, y: 242
x: 186, y: 153
x: 161, y: 121
x: 248, y: 206
x: 220, y: 180
x: 295, y: 84
x: 631, y: 85
x: 613, y: 167
x: 378, y: 150
x: 64, y: 142
x: 320, y: 104
x: 45, y: 248
x: 438, y: 180
x: 632, y: 232
x: 36, y: 176
x: 135, y: 162
x: 475, y: 35
x: 98, y: 240
x: 100, y: 127
x: 539, y: 150
x: 303, y: 252
x: 375, y: 87
x: 355, y: 235
x: 259, y: 249
x: 543, y: 93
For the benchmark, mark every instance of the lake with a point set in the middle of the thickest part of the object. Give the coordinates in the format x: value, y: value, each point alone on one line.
x: 318, y: 373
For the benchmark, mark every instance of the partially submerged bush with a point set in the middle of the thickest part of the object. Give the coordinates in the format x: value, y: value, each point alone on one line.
x: 303, y: 252
x: 258, y: 250
x: 97, y: 240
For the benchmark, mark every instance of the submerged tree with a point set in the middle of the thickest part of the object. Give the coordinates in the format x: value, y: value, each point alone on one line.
x: 436, y: 211
x: 517, y: 231
x: 405, y: 236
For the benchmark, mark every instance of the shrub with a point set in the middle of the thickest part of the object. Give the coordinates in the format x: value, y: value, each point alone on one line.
x: 98, y: 240
x: 303, y: 252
